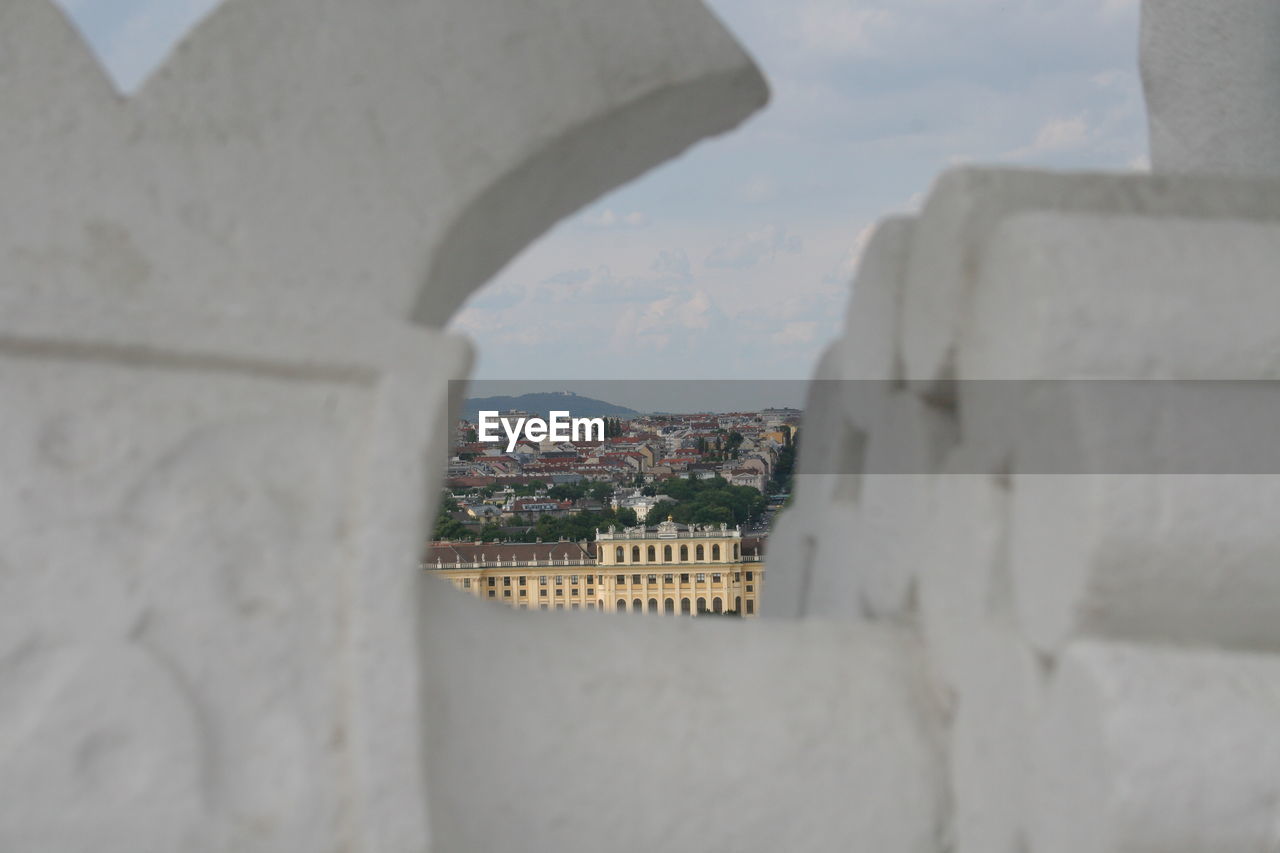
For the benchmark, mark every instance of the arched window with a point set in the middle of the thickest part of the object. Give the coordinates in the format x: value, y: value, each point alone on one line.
x: 684, y: 606
x: 715, y: 553
x: 717, y: 605
x: 622, y: 606
x: 669, y: 606
x: 737, y: 604
x: 600, y: 604
x: 637, y: 606
x: 684, y: 553
x: 737, y: 553
x: 653, y: 554
x: 653, y: 605
x: 666, y: 553
x: 635, y: 553
x: 701, y: 554
x: 617, y: 554
x: 702, y: 605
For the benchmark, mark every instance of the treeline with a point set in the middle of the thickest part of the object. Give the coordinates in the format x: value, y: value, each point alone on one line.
x: 547, y: 528
x: 711, y: 501
x: 580, y: 526
x: 577, y: 491
x: 723, y: 447
x: 562, y: 492
x: 583, y: 525
x: 784, y: 470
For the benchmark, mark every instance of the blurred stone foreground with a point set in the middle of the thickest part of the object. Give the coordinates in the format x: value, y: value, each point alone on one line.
x: 226, y: 394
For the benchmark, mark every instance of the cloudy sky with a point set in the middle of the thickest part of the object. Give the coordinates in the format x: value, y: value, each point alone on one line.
x: 735, y: 260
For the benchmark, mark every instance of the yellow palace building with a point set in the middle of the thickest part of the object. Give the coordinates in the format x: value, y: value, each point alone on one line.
x: 671, y: 568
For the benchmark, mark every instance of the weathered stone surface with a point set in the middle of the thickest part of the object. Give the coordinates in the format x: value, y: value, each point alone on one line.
x: 852, y: 397
x: 1212, y: 85
x: 1093, y: 560
x: 1163, y: 749
x: 1069, y: 295
x: 222, y: 430
x: 964, y: 580
x: 205, y: 644
x: 374, y: 160
x: 872, y: 344
x: 997, y: 701
x: 1164, y: 558
x: 637, y: 730
x: 828, y: 479
x: 968, y: 205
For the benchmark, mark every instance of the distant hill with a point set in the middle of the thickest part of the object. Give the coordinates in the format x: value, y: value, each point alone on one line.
x: 541, y: 404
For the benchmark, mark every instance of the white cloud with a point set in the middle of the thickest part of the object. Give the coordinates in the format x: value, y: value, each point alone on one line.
x: 1119, y: 8
x: 569, y: 278
x: 840, y: 28
x: 608, y: 218
x: 600, y: 286
x: 672, y: 264
x: 1109, y: 78
x: 1062, y: 133
x: 654, y: 326
x: 758, y: 190
x: 1057, y: 136
x: 752, y: 248
x: 796, y: 333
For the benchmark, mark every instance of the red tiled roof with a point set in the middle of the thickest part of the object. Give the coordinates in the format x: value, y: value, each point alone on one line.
x: 455, y: 482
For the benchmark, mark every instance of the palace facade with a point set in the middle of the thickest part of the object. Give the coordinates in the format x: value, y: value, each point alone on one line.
x: 671, y: 568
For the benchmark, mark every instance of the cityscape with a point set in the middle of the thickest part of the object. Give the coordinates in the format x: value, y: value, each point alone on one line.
x: 667, y: 513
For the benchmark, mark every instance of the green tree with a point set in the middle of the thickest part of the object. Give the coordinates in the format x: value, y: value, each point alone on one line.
x: 532, y: 487
x: 567, y: 491
x: 712, y: 501
x: 547, y: 527
x: 659, y: 512
x: 447, y: 528
x: 492, y: 533
x: 784, y: 469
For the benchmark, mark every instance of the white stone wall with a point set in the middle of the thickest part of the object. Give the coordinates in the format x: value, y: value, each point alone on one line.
x: 1092, y: 575
x: 223, y: 430
x: 1211, y: 77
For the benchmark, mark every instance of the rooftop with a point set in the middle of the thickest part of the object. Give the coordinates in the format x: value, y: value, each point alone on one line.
x: 671, y: 530
x: 448, y: 555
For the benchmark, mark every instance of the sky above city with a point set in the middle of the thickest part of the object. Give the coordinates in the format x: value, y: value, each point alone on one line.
x: 735, y: 260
